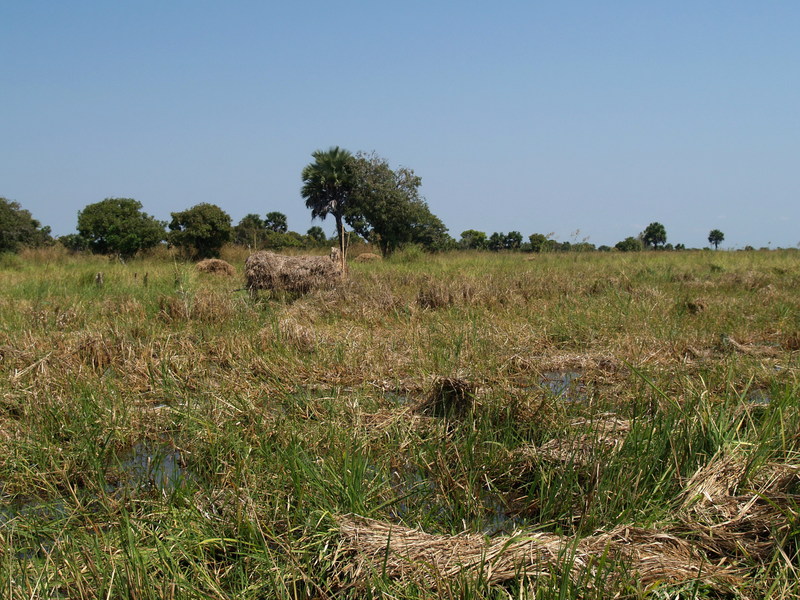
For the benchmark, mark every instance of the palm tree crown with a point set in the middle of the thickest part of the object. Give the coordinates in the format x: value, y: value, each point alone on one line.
x: 327, y: 182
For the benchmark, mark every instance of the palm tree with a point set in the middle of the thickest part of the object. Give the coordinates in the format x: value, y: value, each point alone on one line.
x: 327, y: 186
x: 715, y: 237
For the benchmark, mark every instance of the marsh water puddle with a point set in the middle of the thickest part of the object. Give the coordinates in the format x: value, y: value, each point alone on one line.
x: 759, y: 398
x: 34, y: 510
x: 150, y: 466
x: 565, y: 385
x: 418, y: 497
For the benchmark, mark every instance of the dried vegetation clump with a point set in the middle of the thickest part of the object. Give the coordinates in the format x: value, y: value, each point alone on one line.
x: 366, y: 257
x: 448, y: 397
x: 410, y: 554
x: 207, y: 306
x: 216, y: 266
x: 603, y: 435
x: 289, y: 332
x: 299, y: 274
x: 731, y: 516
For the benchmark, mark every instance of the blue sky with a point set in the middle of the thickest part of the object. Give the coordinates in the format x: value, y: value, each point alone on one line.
x: 585, y: 119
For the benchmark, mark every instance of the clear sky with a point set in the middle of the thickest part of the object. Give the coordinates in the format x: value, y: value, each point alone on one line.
x: 585, y: 119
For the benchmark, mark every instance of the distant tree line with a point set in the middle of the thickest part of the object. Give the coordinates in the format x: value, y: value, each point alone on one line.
x: 380, y: 205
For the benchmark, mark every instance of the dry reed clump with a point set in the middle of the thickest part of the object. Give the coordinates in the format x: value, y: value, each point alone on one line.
x: 402, y: 553
x: 366, y: 257
x: 696, y: 306
x: 435, y: 294
x: 729, y: 519
x: 749, y: 280
x: 448, y: 397
x: 299, y: 274
x: 212, y: 306
x: 128, y: 307
x: 607, y: 434
x: 791, y: 341
x: 728, y: 345
x: 174, y: 308
x: 207, y: 306
x: 290, y: 333
x: 379, y: 422
x: 579, y: 362
x: 216, y: 266
x: 95, y: 351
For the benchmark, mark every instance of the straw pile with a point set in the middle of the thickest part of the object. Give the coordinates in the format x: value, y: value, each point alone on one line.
x: 730, y: 520
x: 215, y: 266
x: 300, y: 274
x: 409, y: 554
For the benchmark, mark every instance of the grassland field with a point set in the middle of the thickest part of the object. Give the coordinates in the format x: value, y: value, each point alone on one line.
x: 463, y: 425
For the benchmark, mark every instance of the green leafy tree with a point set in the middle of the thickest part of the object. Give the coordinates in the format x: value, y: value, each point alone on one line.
x: 538, y: 242
x: 18, y: 228
x: 513, y: 240
x: 317, y: 235
x: 716, y: 237
x: 497, y: 241
x: 118, y: 226
x: 250, y: 231
x: 629, y: 244
x: 654, y: 235
x: 328, y: 186
x: 276, y: 222
x: 201, y: 230
x: 386, y: 209
x: 472, y: 239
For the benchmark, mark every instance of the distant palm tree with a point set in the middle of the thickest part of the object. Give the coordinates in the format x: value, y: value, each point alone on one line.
x: 327, y: 185
x: 715, y: 237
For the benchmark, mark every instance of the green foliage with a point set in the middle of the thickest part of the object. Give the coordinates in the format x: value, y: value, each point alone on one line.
x: 386, y: 208
x: 118, y: 226
x: 201, y: 230
x: 276, y: 221
x: 505, y: 241
x: 715, y: 237
x: 18, y: 228
x: 654, y: 235
x: 472, y: 239
x: 513, y: 240
x: 328, y: 186
x: 496, y: 241
x: 74, y: 242
x: 539, y: 242
x: 629, y: 244
x: 316, y: 235
x: 250, y: 231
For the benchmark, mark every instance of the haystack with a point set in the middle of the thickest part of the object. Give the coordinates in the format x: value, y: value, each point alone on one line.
x: 410, y: 554
x: 215, y: 266
x: 301, y: 274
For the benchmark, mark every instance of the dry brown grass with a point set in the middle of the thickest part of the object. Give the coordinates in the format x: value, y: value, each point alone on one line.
x: 366, y: 257
x: 216, y: 266
x: 403, y: 553
x: 607, y: 435
x: 731, y: 517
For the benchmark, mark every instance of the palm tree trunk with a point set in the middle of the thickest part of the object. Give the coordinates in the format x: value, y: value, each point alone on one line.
x: 342, y: 244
